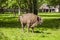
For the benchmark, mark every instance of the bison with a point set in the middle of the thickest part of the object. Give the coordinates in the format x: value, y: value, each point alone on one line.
x: 29, y: 19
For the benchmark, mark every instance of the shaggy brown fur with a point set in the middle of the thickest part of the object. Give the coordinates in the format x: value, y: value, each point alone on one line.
x: 30, y: 19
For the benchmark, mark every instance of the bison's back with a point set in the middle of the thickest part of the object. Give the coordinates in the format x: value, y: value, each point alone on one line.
x: 29, y: 18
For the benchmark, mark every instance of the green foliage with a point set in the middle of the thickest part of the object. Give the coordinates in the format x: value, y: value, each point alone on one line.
x: 2, y: 3
x: 53, y: 2
x: 40, y: 2
x: 21, y: 3
x: 24, y: 3
x: 11, y: 3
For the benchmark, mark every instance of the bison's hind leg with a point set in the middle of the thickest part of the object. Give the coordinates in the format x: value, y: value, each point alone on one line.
x: 28, y: 27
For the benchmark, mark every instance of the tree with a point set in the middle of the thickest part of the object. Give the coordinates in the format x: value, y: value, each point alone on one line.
x: 2, y: 5
x: 16, y: 4
x: 40, y: 2
x: 35, y: 7
x: 32, y: 6
x: 22, y: 4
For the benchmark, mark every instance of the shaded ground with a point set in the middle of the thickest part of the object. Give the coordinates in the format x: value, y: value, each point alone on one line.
x: 51, y: 23
x: 14, y: 23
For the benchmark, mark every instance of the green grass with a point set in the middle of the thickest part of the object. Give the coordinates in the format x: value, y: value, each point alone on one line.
x: 50, y: 15
x: 10, y: 28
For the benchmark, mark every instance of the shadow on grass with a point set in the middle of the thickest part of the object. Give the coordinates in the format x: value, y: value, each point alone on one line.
x: 9, y: 22
x: 37, y: 32
x: 42, y: 32
x: 13, y: 23
x: 50, y: 23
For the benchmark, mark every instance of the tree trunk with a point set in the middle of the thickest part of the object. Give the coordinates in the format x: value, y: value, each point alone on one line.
x: 14, y: 12
x: 35, y: 7
x: 19, y: 11
x: 32, y: 6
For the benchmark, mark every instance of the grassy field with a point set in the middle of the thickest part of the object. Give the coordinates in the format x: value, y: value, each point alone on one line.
x: 10, y: 28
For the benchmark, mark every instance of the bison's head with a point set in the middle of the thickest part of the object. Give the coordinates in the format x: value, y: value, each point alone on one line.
x: 40, y: 20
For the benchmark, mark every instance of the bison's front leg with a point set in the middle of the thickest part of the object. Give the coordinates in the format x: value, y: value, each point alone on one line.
x: 32, y: 29
x: 33, y: 25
